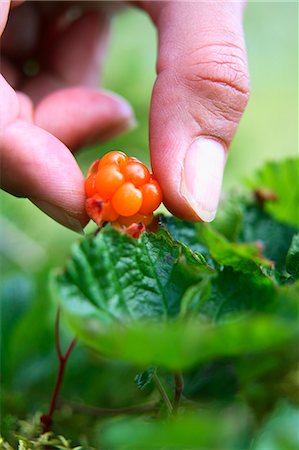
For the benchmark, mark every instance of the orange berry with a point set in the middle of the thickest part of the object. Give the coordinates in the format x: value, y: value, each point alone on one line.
x: 151, y: 197
x: 93, y: 168
x: 136, y: 172
x: 100, y: 211
x: 118, y: 158
x: 90, y: 186
x: 108, y: 180
x: 109, y: 213
x: 127, y: 200
x: 137, y: 218
x: 135, y: 230
x: 121, y: 190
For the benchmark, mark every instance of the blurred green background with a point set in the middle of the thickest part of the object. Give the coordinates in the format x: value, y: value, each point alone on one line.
x: 31, y: 243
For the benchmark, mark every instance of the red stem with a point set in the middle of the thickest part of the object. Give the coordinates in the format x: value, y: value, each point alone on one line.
x: 179, y: 387
x: 57, y: 335
x: 47, y: 419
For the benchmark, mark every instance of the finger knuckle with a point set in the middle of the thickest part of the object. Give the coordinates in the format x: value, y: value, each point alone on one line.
x: 219, y: 75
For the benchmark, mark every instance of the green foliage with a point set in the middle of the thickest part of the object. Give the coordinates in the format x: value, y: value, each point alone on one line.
x: 41, y: 442
x: 234, y: 292
x: 118, y: 279
x: 280, y: 431
x: 15, y: 294
x: 217, y: 301
x: 27, y: 317
x: 181, y: 345
x: 144, y: 378
x: 47, y: 439
x: 292, y: 263
x: 191, y: 431
x: 280, y: 178
x: 186, y: 232
x: 184, y: 296
x: 30, y: 437
x: 243, y: 258
x: 274, y: 236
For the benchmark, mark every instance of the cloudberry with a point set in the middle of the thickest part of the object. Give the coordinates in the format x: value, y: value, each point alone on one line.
x: 151, y: 197
x: 121, y: 190
x: 127, y: 200
x: 118, y: 158
x: 136, y: 172
x: 100, y: 211
x: 108, y: 180
x: 137, y: 218
x: 90, y: 186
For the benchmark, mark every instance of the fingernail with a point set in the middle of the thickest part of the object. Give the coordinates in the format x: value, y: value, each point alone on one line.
x: 59, y: 215
x: 112, y: 131
x: 126, y: 111
x: 132, y: 123
x: 202, y: 177
x: 124, y: 107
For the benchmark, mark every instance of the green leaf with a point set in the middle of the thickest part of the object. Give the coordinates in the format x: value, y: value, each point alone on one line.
x: 281, y: 178
x: 121, y: 296
x: 195, y: 297
x: 274, y: 236
x: 189, y: 431
x: 16, y: 295
x: 292, y: 262
x: 229, y: 217
x: 280, y: 431
x: 187, y: 233
x: 144, y: 378
x: 285, y: 302
x: 179, y: 345
x: 125, y: 279
x: 235, y: 292
x: 241, y: 257
x: 212, y: 381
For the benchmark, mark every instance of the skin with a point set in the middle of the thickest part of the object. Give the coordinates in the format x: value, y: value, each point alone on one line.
x: 202, y: 89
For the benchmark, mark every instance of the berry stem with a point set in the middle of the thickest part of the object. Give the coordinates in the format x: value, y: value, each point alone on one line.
x: 110, y: 412
x: 179, y: 387
x: 162, y: 392
x: 47, y: 419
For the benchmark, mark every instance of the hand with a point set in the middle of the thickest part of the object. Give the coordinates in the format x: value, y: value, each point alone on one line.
x: 198, y: 99
x: 201, y: 91
x: 57, y: 110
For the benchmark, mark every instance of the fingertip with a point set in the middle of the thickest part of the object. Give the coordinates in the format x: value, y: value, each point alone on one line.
x: 61, y: 216
x: 37, y: 165
x: 191, y: 182
x: 201, y: 177
x: 26, y: 107
x: 79, y: 115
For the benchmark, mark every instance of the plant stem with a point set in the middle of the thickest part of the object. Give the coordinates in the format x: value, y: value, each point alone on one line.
x: 109, y: 412
x: 47, y: 419
x: 162, y: 392
x: 179, y: 386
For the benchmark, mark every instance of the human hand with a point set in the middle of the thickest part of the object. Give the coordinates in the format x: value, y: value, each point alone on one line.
x: 58, y: 109
x: 201, y: 91
x: 198, y: 99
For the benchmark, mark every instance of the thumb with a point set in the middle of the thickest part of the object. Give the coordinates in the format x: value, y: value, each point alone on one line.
x: 198, y: 99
